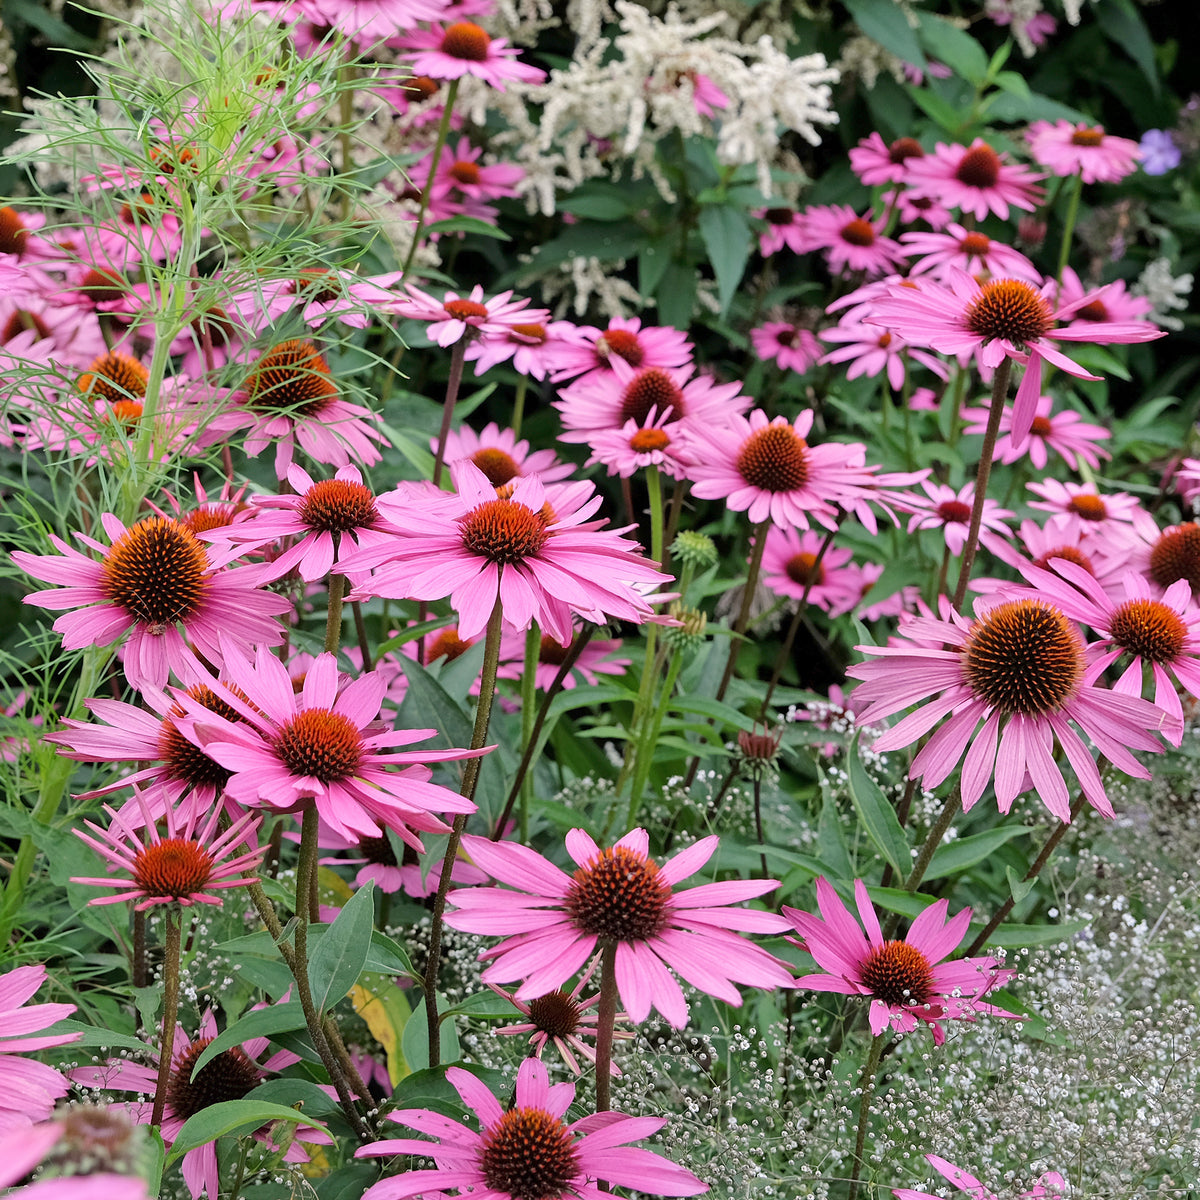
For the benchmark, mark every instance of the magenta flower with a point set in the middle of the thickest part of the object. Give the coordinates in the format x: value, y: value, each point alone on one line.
x: 597, y: 658
x: 969, y: 251
x: 792, y: 346
x: 456, y: 317
x: 975, y: 179
x: 527, y: 1151
x: 1066, y: 433
x: 461, y: 172
x: 498, y: 454
x: 657, y: 441
x: 28, y: 1089
x: 999, y: 319
x: 618, y: 895
x: 535, y: 346
x: 543, y: 565
x: 1110, y: 302
x: 1084, y: 150
x: 323, y: 747
x: 871, y: 351
x: 450, y: 52
x: 154, y: 577
x: 1020, y: 668
x: 789, y: 568
x: 624, y: 339
x: 785, y: 227
x: 1091, y: 511
x: 908, y: 980
x: 851, y: 242
x: 1050, y: 1186
x: 90, y: 1134
x: 950, y: 511
x: 185, y: 867
x: 875, y: 161
x: 370, y: 20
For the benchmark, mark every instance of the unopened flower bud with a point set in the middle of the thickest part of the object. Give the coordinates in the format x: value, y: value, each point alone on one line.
x: 690, y: 633
x: 694, y: 550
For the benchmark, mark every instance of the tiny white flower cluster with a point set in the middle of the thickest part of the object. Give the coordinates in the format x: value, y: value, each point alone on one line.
x: 1165, y: 292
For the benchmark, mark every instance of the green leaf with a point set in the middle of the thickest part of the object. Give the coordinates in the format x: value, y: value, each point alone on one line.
x: 599, y: 200
x: 262, y: 1022
x: 341, y: 955
x: 413, y: 632
x: 414, y: 1042
x: 231, y: 1117
x: 468, y: 225
x: 1011, y: 937
x: 1124, y: 27
x: 676, y: 295
x: 897, y: 900
x: 1010, y: 81
x: 715, y: 710
x: 967, y: 851
x: 831, y: 845
x: 652, y: 262
x: 877, y: 815
x: 937, y: 109
x: 953, y: 46
x: 1020, y: 888
x: 292, y: 1091
x: 884, y: 22
x: 92, y: 1037
x: 728, y: 239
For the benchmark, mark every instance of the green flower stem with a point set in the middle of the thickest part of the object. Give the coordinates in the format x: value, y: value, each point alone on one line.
x: 672, y: 526
x: 956, y: 401
x: 1064, y: 251
x: 648, y: 734
x: 166, y: 1043
x: 640, y: 704
x: 1038, y: 863
x: 866, y: 1086
x: 927, y: 851
x: 518, y: 412
x: 138, y: 959
x: 533, y: 649
x: 333, y: 621
x: 982, y: 474
x: 605, y: 1021
x: 438, y: 146
x: 483, y: 713
x: 654, y: 488
x: 743, y: 617
x: 453, y: 383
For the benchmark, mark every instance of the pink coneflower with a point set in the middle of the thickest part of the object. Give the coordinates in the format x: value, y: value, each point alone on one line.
x: 785, y: 227
x: 618, y: 896
x: 851, y: 242
x: 974, y: 179
x: 656, y: 441
x: 1187, y: 479
x: 767, y: 469
x: 323, y: 747
x: 967, y: 250
x: 608, y: 400
x: 543, y: 565
x: 318, y: 521
x: 379, y: 864
x: 890, y: 604
x: 322, y: 294
x: 1083, y: 502
x: 527, y: 1151
x: 1050, y: 1186
x: 450, y: 52
x: 999, y: 319
x: 563, y: 1018
x: 870, y: 351
x: 790, y: 567
x: 456, y: 317
x: 461, y: 173
x: 185, y: 867
x: 1109, y: 302
x: 289, y: 396
x: 1066, y: 433
x: 1062, y: 536
x: 28, y: 1089
x: 950, y: 511
x: 535, y: 346
x: 1085, y: 150
x: 231, y: 1075
x: 1162, y: 634
x: 792, y: 346
x: 875, y: 161
x: 370, y: 20
x: 1019, y: 667
x: 498, y: 454
x: 596, y: 659
x: 907, y: 979
x: 625, y: 340
x: 154, y: 577
x: 911, y: 208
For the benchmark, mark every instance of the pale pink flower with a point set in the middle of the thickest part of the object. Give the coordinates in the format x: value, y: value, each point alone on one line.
x: 527, y: 1149
x: 368, y: 20
x: 944, y: 508
x: 1109, y: 302
x: 656, y: 441
x: 535, y: 346
x: 789, y: 568
x: 792, y: 346
x: 871, y: 351
x: 1065, y: 432
x: 875, y: 161
x: 498, y: 454
x: 907, y: 979
x: 1050, y: 1186
x: 1062, y: 536
x: 23, y: 1148
x: 1083, y: 502
x: 974, y: 179
x: 624, y: 339
x: 1187, y: 478
x: 28, y: 1088
x: 1019, y: 668
x: 460, y: 172
x: 477, y: 546
x: 851, y: 242
x: 785, y: 227
x: 620, y: 894
x: 155, y: 576
x: 967, y: 250
x: 913, y: 208
x: 463, y: 48
x: 1086, y: 150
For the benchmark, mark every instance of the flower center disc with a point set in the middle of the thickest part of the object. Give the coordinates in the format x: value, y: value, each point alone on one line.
x: 774, y: 459
x: 1024, y: 657
x: 464, y: 172
x: 1041, y: 427
x: 646, y: 441
x: 979, y: 168
x: 499, y: 466
x: 859, y: 232
x: 102, y: 287
x: 1095, y: 311
x: 229, y: 1076
x: 1149, y: 629
x: 652, y: 389
x: 114, y: 377
x: 21, y: 321
x: 322, y: 745
x: 156, y: 571
x: 1177, y: 556
x: 185, y: 761
x: 378, y: 850
x: 533, y: 334
x: 780, y: 216
x: 623, y: 344
x: 954, y: 512
x: 464, y: 39
x: 1087, y: 137
x: 976, y: 244
x: 619, y: 896
x: 1089, y: 506
x: 553, y: 652
x: 1009, y: 310
x: 13, y: 234
x: 338, y: 505
x: 211, y: 516
x: 898, y: 973
x: 464, y: 310
x: 1070, y: 553
x: 447, y: 644
x: 291, y: 376
x: 555, y: 1013
x: 503, y: 531
x: 530, y: 1155
x: 905, y: 148
x: 803, y: 568
x: 175, y: 867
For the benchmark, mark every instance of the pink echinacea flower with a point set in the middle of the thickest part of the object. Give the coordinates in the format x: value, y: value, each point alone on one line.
x: 1086, y: 150
x: 1049, y: 1186
x: 464, y: 48
x: 974, y: 179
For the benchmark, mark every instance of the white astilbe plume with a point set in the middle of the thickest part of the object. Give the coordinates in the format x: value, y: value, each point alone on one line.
x: 1165, y: 291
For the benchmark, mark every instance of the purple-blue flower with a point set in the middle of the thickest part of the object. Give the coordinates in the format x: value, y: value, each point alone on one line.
x: 1159, y: 152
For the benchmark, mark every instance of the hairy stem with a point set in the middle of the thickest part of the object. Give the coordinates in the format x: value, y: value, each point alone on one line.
x: 866, y: 1086
x: 605, y: 1020
x: 166, y: 1043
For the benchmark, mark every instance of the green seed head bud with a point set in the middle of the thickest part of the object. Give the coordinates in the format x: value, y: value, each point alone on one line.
x: 694, y: 550
x: 690, y: 634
